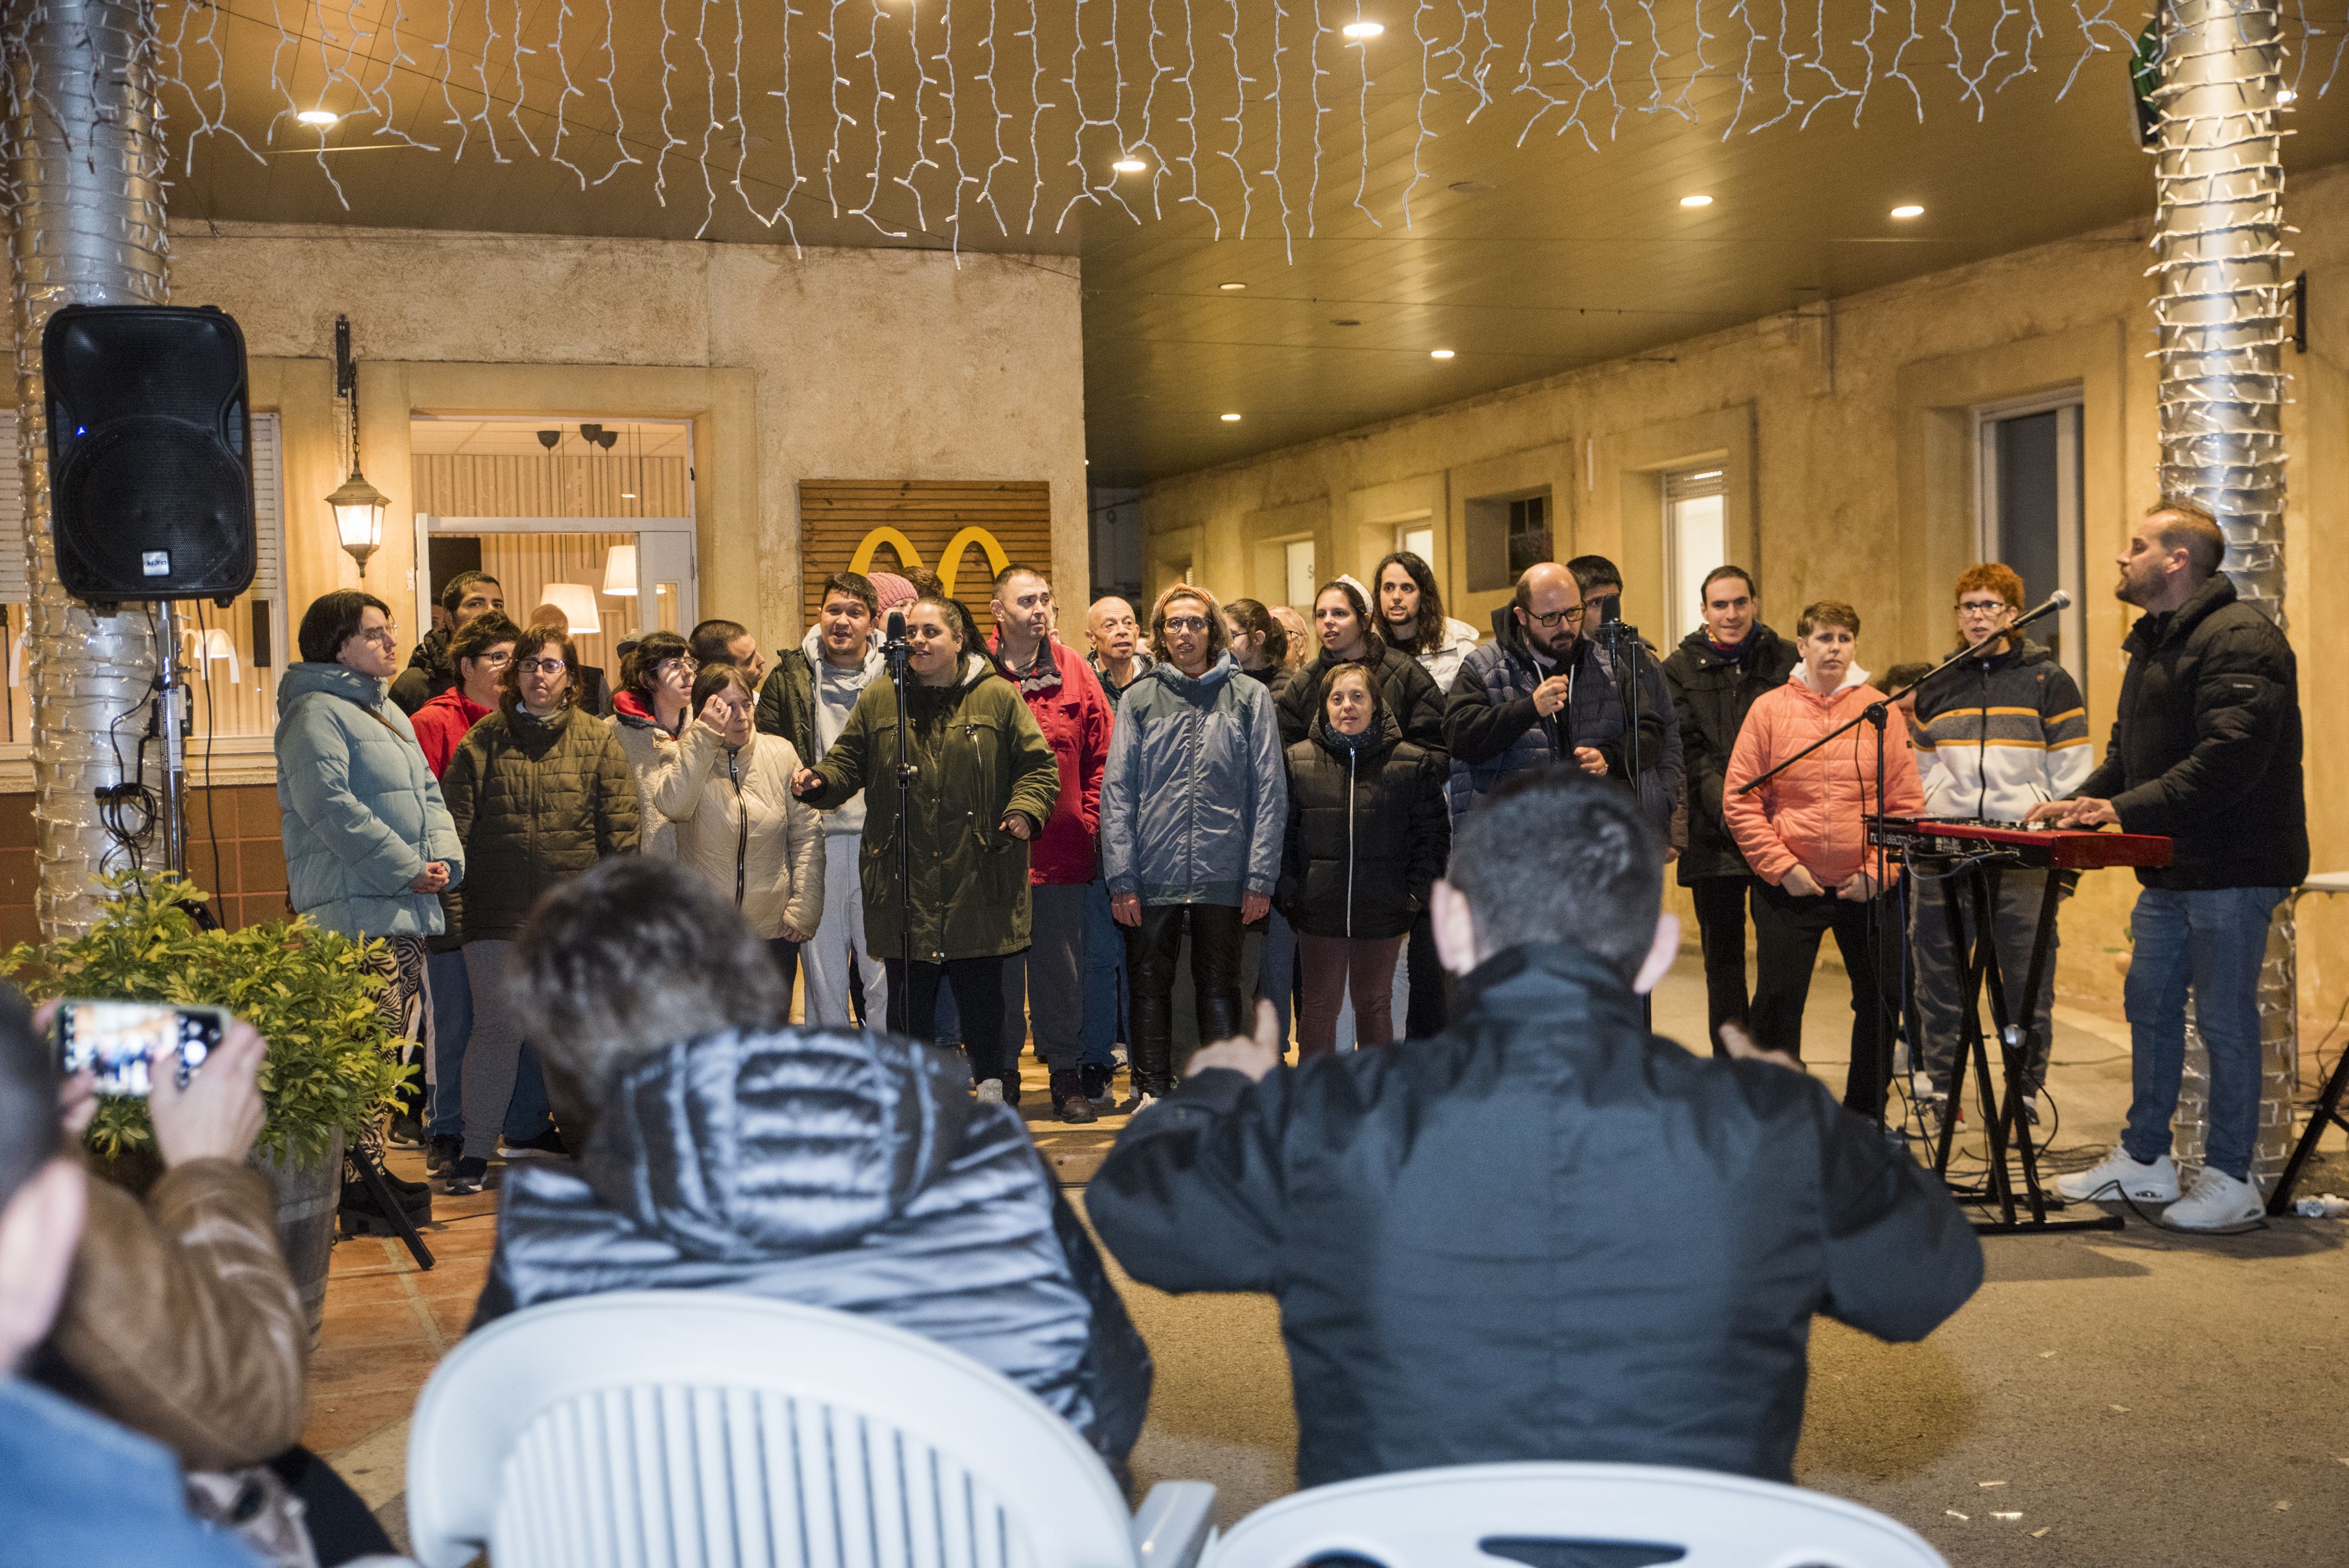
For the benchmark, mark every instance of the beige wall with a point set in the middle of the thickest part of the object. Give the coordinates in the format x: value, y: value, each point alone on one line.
x: 1845, y: 440
x: 828, y: 364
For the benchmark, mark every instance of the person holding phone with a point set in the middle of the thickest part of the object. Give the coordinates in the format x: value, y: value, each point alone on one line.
x: 727, y: 789
x: 370, y: 842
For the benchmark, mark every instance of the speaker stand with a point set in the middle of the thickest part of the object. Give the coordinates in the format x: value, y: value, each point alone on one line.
x: 175, y: 760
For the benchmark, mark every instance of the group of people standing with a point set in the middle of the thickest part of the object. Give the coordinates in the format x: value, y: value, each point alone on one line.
x: 1229, y: 787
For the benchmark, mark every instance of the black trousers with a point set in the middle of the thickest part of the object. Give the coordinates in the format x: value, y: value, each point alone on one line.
x: 1720, y: 935
x: 1425, y: 1011
x: 979, y: 996
x: 1786, y: 933
x: 1150, y: 955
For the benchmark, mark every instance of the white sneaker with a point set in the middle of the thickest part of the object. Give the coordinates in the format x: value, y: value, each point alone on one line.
x: 2215, y: 1202
x: 1144, y: 1102
x: 991, y: 1091
x: 2117, y: 1175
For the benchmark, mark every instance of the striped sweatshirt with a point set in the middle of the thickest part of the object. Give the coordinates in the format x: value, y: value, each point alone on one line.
x: 1996, y: 735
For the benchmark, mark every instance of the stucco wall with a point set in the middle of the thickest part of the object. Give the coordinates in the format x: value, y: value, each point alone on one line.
x: 1846, y: 443
x: 829, y: 364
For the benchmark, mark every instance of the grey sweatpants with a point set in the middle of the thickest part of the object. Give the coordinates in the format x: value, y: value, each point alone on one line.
x: 494, y: 1049
x: 1941, y: 988
x: 1045, y: 986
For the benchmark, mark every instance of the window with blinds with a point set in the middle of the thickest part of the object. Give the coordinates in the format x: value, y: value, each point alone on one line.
x: 232, y: 654
x: 1696, y: 540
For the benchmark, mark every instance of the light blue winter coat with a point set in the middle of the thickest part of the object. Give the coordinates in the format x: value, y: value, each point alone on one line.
x: 361, y: 814
x: 1195, y: 797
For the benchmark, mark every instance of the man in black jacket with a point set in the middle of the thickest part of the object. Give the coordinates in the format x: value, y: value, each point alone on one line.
x: 2205, y: 751
x: 1544, y: 1233
x: 467, y: 597
x: 1715, y: 674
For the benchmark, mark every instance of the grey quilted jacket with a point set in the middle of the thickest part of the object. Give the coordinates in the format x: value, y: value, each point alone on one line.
x: 1195, y: 799
x: 839, y: 1170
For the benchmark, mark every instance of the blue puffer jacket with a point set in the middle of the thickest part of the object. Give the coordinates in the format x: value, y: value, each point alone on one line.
x: 839, y: 1170
x: 1492, y: 730
x: 1195, y: 799
x: 360, y: 812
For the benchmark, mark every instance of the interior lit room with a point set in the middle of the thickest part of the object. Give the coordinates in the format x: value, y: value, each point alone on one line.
x: 1059, y: 783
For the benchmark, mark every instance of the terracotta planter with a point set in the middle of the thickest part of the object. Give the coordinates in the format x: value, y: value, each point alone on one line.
x: 307, y: 1196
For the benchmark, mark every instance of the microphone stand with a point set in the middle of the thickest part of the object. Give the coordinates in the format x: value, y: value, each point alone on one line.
x: 1612, y: 632
x: 895, y: 652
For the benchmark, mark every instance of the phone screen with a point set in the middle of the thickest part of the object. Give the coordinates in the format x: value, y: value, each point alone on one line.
x: 117, y: 1040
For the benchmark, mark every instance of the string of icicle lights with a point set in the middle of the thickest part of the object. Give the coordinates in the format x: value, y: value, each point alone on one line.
x: 921, y: 117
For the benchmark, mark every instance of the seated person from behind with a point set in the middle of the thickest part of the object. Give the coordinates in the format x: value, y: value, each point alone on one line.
x: 728, y: 1150
x: 1543, y: 1234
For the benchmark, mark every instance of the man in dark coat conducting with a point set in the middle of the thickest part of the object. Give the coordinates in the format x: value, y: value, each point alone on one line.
x: 1543, y: 1234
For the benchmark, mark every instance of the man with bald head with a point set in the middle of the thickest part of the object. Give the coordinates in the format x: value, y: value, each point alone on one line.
x: 1115, y: 634
x: 2205, y: 752
x: 1533, y: 697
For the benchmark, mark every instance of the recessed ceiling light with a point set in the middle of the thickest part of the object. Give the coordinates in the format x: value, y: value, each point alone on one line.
x: 1363, y: 29
x: 1909, y: 211
x: 627, y: 495
x: 318, y: 117
x: 1696, y: 201
x: 1439, y: 354
x: 1231, y: 418
x: 1231, y: 288
x: 1131, y: 166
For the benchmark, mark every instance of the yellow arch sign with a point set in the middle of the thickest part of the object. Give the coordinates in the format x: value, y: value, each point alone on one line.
x: 997, y: 559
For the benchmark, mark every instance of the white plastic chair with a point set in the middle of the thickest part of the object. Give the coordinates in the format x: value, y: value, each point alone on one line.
x: 1534, y: 1513
x: 646, y: 1429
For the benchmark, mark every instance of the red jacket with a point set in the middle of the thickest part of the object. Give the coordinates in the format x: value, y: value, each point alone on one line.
x: 1811, y: 813
x: 1076, y: 721
x: 441, y: 722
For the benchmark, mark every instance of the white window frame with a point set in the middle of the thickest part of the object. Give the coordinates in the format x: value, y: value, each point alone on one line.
x: 1697, y: 481
x: 2069, y: 404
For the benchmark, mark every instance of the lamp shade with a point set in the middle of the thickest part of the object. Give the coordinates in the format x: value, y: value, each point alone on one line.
x: 620, y: 571
x: 577, y: 602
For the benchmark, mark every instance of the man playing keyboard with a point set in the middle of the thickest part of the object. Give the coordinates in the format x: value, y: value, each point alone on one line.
x: 2205, y: 751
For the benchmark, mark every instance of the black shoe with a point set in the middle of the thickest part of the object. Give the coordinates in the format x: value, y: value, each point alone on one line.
x: 404, y: 1130
x: 361, y: 1215
x: 1099, y: 1085
x: 445, y: 1149
x: 466, y: 1176
x: 549, y: 1142
x: 1069, y: 1101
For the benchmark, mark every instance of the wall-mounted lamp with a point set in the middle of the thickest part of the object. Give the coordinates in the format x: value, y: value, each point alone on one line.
x: 357, y: 504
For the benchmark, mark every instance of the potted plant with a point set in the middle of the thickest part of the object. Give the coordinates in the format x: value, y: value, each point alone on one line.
x: 330, y: 1067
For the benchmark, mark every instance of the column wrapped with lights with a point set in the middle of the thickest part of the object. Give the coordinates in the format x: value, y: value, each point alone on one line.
x: 84, y: 158
x: 2220, y: 312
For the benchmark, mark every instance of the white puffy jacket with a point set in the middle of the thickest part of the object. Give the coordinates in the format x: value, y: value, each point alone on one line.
x: 739, y: 824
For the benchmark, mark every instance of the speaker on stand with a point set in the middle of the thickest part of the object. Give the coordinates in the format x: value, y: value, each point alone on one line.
x: 150, y: 483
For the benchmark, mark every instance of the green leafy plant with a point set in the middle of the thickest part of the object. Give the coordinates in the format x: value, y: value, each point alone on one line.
x: 330, y: 1063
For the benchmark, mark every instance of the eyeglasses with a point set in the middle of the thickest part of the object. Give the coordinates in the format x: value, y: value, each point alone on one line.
x: 1982, y: 606
x: 496, y: 660
x: 1551, y: 621
x: 387, y: 635
x: 1187, y: 622
x: 683, y: 665
x: 543, y: 666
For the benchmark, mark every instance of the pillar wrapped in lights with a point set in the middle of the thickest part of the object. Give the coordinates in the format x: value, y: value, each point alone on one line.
x: 84, y: 158
x: 2220, y: 312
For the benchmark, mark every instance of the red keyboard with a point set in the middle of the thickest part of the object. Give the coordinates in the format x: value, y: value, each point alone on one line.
x: 2061, y: 849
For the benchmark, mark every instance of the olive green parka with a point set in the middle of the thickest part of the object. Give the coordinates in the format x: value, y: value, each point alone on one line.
x: 978, y: 757
x: 535, y: 802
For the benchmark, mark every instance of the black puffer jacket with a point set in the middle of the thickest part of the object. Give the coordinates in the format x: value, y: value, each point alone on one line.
x: 1541, y: 1235
x: 1404, y: 686
x: 535, y: 802
x: 1369, y: 830
x: 838, y: 1170
x: 1711, y: 695
x: 2206, y: 749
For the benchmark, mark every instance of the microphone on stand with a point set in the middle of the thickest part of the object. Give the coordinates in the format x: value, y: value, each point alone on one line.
x: 896, y: 628
x: 2056, y: 600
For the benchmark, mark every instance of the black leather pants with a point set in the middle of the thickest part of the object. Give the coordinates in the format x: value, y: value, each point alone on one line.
x: 1151, y: 951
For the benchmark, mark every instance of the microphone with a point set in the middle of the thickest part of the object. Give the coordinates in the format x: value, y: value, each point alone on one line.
x: 897, y: 631
x: 2056, y: 600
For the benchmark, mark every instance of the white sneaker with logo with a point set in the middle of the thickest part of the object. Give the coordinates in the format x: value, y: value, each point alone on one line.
x: 2217, y: 1201
x: 2118, y: 1176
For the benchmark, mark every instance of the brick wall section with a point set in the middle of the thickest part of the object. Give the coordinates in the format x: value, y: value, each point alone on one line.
x: 250, y: 882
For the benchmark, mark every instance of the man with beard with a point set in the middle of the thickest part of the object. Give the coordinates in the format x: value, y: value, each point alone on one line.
x: 2205, y: 751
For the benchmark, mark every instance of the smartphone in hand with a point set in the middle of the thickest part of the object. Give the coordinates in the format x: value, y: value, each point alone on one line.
x: 118, y: 1041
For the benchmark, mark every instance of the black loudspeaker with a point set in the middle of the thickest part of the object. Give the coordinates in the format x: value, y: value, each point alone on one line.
x: 150, y: 452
